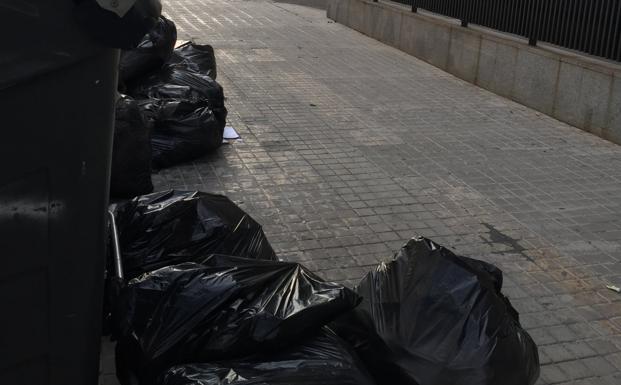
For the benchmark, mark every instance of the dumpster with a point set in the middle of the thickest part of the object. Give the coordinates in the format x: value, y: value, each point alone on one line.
x: 57, y: 92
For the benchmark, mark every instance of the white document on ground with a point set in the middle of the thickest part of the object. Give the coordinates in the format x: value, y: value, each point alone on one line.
x: 230, y: 133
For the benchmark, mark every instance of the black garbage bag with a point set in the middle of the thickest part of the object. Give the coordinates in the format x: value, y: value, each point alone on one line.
x: 185, y: 130
x: 150, y: 109
x: 155, y: 49
x: 189, y: 117
x: 199, y: 86
x: 196, y: 57
x: 429, y: 317
x: 170, y: 227
x: 131, y: 152
x: 225, y: 308
x: 323, y: 359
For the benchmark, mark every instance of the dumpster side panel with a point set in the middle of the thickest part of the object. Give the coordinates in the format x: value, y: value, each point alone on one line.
x: 54, y: 181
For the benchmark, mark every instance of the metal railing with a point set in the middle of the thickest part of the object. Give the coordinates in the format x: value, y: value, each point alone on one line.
x: 591, y: 26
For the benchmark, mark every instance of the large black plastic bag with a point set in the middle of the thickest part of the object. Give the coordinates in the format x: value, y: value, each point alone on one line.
x: 225, y: 308
x: 152, y: 52
x: 323, y: 359
x: 200, y: 86
x: 430, y: 317
x: 170, y: 227
x: 185, y: 130
x: 197, y: 57
x: 131, y: 152
x: 191, y: 117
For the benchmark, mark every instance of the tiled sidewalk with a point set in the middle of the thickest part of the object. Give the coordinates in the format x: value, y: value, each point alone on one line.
x: 350, y: 147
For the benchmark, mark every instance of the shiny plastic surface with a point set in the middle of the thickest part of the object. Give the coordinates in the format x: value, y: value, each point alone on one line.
x: 429, y: 317
x: 187, y: 111
x: 225, y: 308
x: 201, y: 85
x: 197, y: 57
x: 185, y: 130
x: 170, y: 227
x: 320, y: 360
x: 151, y: 53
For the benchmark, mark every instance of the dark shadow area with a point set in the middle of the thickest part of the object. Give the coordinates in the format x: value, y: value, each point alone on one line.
x: 319, y: 4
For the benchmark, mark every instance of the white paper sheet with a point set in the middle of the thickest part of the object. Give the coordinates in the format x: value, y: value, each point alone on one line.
x: 230, y: 133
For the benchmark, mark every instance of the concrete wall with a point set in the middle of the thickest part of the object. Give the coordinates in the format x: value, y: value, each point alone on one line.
x: 574, y: 88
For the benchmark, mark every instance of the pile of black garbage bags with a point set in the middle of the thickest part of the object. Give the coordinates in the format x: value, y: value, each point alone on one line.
x: 170, y: 108
x: 205, y: 301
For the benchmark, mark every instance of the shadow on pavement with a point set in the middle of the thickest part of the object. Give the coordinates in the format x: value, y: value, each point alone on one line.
x: 319, y: 4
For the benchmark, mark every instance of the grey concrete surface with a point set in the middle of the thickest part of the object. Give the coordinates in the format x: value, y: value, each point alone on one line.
x: 575, y: 88
x: 350, y: 147
x: 535, y: 80
x: 464, y: 55
x: 496, y: 69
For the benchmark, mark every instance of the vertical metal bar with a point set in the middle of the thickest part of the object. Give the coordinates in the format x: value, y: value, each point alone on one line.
x: 524, y: 18
x: 602, y: 39
x: 494, y: 15
x: 598, y: 22
x: 575, y: 39
x: 572, y: 22
x: 585, y: 26
x: 559, y: 17
x: 116, y: 247
x: 546, y: 24
x: 586, y: 31
x: 518, y: 17
x: 534, y: 14
x: 506, y: 19
x: 414, y: 6
x: 614, y: 26
x: 464, y: 13
x: 568, y: 19
x: 523, y: 15
x: 486, y: 20
x: 556, y: 20
x: 504, y: 16
x: 617, y: 38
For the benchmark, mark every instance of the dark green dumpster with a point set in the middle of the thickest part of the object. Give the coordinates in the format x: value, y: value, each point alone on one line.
x: 57, y: 93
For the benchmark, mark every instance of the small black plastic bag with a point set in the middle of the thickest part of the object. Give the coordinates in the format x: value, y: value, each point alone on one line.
x: 155, y: 49
x: 197, y: 57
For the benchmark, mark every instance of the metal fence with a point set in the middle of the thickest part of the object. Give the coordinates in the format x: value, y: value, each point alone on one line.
x: 591, y: 26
